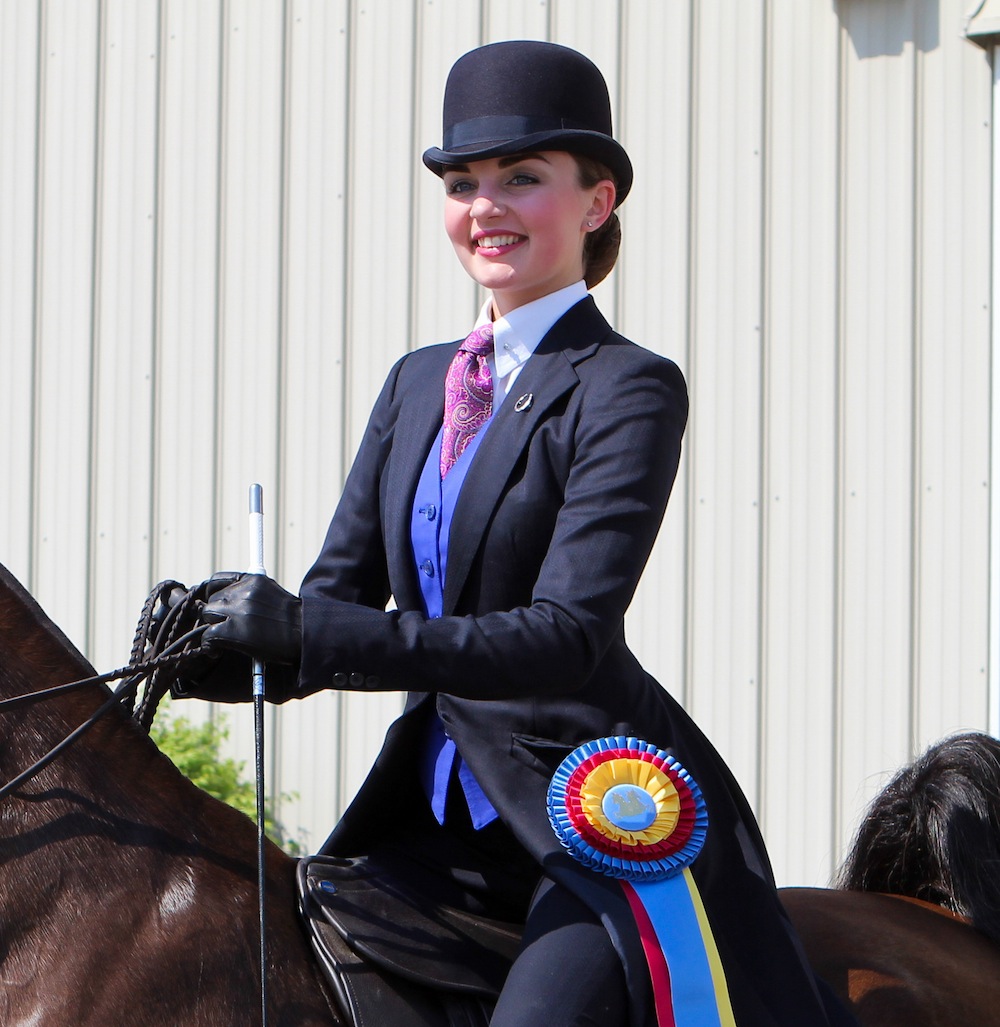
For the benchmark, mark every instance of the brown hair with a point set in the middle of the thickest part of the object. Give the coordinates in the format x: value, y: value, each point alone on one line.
x: 600, y: 248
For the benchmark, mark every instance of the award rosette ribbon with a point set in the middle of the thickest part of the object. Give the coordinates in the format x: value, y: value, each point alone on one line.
x: 625, y: 808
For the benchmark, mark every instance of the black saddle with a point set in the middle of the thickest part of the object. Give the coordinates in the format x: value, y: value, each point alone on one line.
x: 394, y: 957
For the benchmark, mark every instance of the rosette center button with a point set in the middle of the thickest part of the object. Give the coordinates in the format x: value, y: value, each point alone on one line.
x: 629, y: 807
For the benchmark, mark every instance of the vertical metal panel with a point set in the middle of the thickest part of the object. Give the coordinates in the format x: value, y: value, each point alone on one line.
x: 725, y: 381
x: 444, y: 299
x: 877, y: 426
x: 518, y: 19
x: 251, y: 262
x: 251, y: 266
x: 311, y: 427
x: 125, y: 229
x: 799, y: 440
x: 595, y: 29
x: 654, y: 122
x: 187, y: 291
x: 65, y: 311
x: 994, y: 549
x: 314, y: 300
x: 380, y: 148
x: 952, y: 284
x: 19, y: 45
x: 381, y: 168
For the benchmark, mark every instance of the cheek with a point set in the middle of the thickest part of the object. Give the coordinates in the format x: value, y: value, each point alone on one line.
x: 557, y: 228
x: 456, y: 223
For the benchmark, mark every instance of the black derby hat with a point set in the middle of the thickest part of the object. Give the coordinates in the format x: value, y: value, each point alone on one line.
x: 517, y: 96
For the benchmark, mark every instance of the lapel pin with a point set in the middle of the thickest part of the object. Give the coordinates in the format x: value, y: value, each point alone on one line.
x: 523, y: 402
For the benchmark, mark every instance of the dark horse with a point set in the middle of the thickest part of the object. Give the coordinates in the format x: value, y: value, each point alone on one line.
x: 129, y: 896
x: 932, y: 836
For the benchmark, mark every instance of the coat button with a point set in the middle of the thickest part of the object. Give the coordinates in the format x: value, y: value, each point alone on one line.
x: 372, y: 681
x: 340, y: 679
x: 357, y: 680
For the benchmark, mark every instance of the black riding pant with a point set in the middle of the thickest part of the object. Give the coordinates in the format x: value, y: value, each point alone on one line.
x: 567, y: 973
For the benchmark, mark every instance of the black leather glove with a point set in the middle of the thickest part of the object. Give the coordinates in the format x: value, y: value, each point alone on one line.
x: 250, y: 616
x: 255, y: 616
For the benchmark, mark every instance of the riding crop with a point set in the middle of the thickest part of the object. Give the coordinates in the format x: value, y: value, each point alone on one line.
x: 257, y: 567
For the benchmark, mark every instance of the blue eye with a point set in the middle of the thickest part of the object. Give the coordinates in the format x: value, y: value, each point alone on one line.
x: 459, y: 185
x: 523, y: 178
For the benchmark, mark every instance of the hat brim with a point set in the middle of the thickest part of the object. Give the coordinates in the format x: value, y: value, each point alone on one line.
x: 579, y: 141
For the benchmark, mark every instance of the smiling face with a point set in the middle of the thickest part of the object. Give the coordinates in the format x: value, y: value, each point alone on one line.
x: 518, y: 223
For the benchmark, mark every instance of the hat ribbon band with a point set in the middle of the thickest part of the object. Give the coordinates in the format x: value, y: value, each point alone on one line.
x: 497, y: 128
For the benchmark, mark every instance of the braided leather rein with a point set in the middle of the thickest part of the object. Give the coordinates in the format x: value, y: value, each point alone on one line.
x: 166, y: 640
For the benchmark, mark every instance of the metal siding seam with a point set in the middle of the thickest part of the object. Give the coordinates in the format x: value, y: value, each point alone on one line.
x: 411, y: 194
x: 156, y: 297
x: 836, y: 634
x: 763, y: 421
x: 276, y: 503
x: 338, y: 785
x: 993, y: 714
x: 220, y: 265
x: 156, y: 316
x: 687, y: 697
x: 838, y: 768
x: 624, y: 9
x: 687, y: 465
x: 89, y: 633
x: 350, y: 231
x: 36, y: 320
x: 276, y: 521
x: 916, y: 386
x: 618, y: 312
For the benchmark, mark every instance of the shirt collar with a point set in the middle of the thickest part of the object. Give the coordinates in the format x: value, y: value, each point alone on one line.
x: 517, y: 335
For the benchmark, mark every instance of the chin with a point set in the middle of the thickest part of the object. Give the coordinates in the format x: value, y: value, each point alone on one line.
x: 494, y: 279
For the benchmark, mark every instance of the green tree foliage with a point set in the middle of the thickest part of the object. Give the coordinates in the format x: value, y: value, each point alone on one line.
x: 195, y: 749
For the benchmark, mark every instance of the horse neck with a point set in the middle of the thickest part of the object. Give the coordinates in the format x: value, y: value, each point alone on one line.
x: 114, y: 763
x: 111, y: 835
x: 30, y: 639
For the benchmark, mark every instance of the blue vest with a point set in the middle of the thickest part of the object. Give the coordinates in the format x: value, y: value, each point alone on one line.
x: 430, y: 525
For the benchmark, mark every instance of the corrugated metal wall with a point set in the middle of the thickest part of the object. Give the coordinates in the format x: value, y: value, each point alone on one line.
x: 216, y: 236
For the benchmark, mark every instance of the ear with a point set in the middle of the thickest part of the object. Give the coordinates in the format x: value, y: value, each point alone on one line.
x: 603, y: 204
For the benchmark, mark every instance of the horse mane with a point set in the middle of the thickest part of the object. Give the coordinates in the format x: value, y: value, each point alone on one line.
x: 934, y: 832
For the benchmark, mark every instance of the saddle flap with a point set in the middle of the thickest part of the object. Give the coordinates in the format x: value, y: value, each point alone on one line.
x: 437, y: 946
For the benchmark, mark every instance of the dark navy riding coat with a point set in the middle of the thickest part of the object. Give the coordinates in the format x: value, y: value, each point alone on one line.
x: 551, y: 531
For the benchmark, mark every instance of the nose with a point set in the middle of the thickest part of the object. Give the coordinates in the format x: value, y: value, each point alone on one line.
x: 484, y: 206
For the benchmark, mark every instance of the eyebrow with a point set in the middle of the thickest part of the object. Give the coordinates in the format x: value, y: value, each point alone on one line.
x: 516, y: 158
x: 504, y: 162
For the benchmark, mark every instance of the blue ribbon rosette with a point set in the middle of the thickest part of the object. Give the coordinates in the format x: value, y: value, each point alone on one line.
x: 628, y: 809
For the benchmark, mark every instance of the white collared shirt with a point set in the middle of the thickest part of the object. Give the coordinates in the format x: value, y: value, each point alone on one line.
x: 517, y: 335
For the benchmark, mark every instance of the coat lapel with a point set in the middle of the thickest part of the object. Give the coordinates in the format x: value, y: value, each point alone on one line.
x: 420, y: 414
x: 549, y: 373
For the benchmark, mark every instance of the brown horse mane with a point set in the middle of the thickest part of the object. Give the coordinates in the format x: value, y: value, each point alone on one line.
x: 934, y: 832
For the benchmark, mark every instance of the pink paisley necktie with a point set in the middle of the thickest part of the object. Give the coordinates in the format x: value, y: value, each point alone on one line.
x: 468, y: 395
